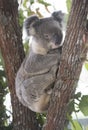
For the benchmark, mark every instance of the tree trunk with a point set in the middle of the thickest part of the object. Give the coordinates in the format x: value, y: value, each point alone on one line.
x: 73, y: 52
x: 13, y: 54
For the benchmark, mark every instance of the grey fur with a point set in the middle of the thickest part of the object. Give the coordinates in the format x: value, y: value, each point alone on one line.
x: 37, y: 74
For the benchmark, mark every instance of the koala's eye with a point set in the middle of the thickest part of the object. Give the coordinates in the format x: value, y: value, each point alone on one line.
x: 46, y: 36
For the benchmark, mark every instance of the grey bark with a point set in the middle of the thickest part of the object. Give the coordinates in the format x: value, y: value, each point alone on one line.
x: 73, y: 54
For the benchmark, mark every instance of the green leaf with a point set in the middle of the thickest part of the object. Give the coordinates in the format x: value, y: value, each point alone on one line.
x: 71, y: 107
x: 83, y: 105
x: 44, y: 3
x: 68, y: 3
x: 41, y: 118
x: 21, y: 17
x: 1, y: 60
x: 66, y: 128
x: 76, y: 126
x: 31, y: 2
x: 26, y: 46
x: 77, y: 95
x: 24, y: 3
x: 2, y: 73
x: 86, y: 65
x: 69, y: 117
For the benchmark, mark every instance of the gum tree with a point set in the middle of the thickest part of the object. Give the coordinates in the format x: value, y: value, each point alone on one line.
x: 73, y: 54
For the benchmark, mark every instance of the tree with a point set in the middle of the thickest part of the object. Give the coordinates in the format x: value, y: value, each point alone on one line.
x: 73, y: 54
x: 74, y: 50
x: 13, y: 54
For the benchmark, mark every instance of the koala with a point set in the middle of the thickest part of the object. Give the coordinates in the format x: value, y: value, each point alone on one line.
x: 36, y: 77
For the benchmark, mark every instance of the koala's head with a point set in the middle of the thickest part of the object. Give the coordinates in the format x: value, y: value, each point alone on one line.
x: 46, y: 32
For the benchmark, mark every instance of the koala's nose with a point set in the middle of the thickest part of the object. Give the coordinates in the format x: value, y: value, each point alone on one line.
x: 57, y: 38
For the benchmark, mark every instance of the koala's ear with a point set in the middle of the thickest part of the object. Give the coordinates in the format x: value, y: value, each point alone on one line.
x: 28, y: 25
x: 58, y: 16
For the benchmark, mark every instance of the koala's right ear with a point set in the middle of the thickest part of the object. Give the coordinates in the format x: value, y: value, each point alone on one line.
x: 58, y: 16
x: 28, y: 25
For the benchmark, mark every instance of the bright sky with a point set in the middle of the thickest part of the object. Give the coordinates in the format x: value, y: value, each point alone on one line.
x: 59, y: 4
x: 56, y: 5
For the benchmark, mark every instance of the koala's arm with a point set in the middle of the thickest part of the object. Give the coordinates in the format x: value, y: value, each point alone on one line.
x: 40, y: 64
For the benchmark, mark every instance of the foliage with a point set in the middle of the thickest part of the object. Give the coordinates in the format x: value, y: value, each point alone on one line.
x: 44, y: 3
x: 3, y: 92
x: 78, y: 104
x: 86, y: 65
x: 21, y: 17
x: 76, y: 126
x: 41, y: 119
x: 68, y: 3
x: 26, y: 9
x: 83, y: 105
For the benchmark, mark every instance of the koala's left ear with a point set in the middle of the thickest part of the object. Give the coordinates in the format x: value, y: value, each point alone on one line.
x: 58, y: 16
x: 28, y: 25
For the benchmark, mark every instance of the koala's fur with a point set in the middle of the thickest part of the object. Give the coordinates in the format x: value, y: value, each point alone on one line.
x: 37, y: 74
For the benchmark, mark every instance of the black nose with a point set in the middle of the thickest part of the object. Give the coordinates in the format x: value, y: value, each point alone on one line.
x: 57, y: 38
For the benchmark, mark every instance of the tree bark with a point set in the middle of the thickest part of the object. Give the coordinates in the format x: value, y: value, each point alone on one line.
x: 73, y: 52
x: 13, y: 54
